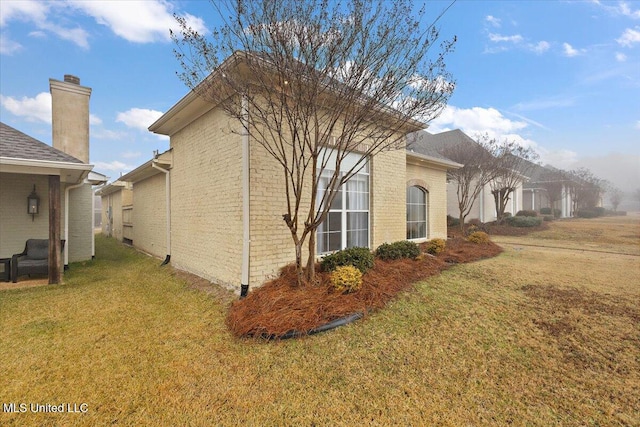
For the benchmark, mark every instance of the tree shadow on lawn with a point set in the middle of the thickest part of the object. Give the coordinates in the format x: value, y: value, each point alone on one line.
x: 279, y: 308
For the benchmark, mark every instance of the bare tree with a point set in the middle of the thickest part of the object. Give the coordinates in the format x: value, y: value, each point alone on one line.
x: 512, y: 163
x: 585, y: 188
x: 553, y: 182
x: 478, y: 160
x: 319, y: 80
x: 615, y: 197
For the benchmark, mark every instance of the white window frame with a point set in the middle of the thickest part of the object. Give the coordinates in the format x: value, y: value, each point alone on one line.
x: 426, y: 214
x: 343, y: 210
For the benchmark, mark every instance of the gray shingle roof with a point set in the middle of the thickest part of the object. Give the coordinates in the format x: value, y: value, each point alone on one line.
x: 434, y: 145
x: 16, y: 144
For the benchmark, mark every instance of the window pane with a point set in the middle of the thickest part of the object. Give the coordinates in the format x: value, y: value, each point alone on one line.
x: 416, y: 213
x: 357, y: 229
x: 358, y: 193
x: 351, y: 201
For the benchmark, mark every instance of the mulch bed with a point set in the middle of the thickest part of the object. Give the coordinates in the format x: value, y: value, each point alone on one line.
x: 279, y: 307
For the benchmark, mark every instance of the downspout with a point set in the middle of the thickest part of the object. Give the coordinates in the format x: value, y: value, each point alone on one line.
x: 66, y: 221
x: 167, y: 180
x: 246, y: 247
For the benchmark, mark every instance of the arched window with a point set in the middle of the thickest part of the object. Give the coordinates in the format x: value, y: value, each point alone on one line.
x: 416, y: 213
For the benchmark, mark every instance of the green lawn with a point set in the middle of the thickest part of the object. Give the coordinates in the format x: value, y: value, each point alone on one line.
x: 487, y: 343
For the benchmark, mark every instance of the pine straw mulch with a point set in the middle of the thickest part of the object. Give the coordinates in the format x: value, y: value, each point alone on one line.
x: 279, y: 307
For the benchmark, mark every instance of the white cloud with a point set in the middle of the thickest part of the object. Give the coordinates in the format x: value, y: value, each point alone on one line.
x: 36, y: 12
x: 621, y: 57
x: 546, y: 103
x: 114, y: 166
x: 30, y: 10
x: 629, y: 37
x: 476, y: 120
x: 94, y: 120
x: 560, y: 158
x: 638, y: 124
x: 497, y: 38
x: 131, y: 154
x: 8, y: 46
x: 540, y: 47
x: 137, y: 21
x: 570, y: 51
x: 496, y: 22
x: 622, y: 8
x: 138, y: 118
x: 33, y: 109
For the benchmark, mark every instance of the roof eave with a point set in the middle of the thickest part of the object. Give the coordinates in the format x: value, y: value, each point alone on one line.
x: 449, y: 164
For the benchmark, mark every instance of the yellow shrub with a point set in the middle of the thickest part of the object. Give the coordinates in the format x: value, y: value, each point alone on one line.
x: 478, y: 237
x: 435, y: 246
x: 346, y: 278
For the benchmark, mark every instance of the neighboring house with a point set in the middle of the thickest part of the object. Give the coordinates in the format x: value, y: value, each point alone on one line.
x: 545, y: 182
x: 29, y: 167
x: 196, y: 192
x: 483, y: 208
x: 116, y: 210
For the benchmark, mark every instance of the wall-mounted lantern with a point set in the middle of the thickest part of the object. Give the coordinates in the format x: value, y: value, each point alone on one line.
x: 33, y: 204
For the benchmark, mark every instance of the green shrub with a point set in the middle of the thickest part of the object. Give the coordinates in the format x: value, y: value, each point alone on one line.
x: 452, y: 221
x: 360, y: 258
x: 435, y: 246
x: 548, y: 218
x: 545, y: 211
x: 590, y: 212
x: 524, y: 221
x: 478, y: 237
x: 526, y: 213
x: 397, y: 250
x: 346, y: 278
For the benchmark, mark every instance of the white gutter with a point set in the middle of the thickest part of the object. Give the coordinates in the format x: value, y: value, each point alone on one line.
x: 167, y: 180
x: 246, y: 238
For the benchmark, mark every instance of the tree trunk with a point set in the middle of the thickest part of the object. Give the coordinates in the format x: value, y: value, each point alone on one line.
x: 311, y: 260
x: 299, y: 269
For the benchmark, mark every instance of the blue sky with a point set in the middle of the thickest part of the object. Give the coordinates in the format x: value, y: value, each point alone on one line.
x: 562, y: 77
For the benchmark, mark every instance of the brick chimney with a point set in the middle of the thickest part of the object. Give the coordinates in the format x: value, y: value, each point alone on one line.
x: 70, y: 116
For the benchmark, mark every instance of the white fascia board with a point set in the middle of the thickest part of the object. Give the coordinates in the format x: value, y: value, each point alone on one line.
x: 421, y: 158
x: 69, y: 172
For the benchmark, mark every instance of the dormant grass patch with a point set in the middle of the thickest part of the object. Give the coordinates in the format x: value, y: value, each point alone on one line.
x: 535, y: 336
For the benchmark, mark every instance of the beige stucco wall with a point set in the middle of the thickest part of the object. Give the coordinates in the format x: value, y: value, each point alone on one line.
x: 149, y: 215
x: 483, y: 207
x: 70, y: 118
x: 16, y: 226
x: 206, y: 193
x: 433, y: 179
x: 80, y: 238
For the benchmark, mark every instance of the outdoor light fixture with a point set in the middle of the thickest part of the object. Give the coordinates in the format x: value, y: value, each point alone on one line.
x: 33, y: 203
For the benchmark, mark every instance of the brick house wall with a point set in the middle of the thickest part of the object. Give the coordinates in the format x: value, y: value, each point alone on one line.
x: 433, y: 179
x: 149, y: 215
x: 206, y: 190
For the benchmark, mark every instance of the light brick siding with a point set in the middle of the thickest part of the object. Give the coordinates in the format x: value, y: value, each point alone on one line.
x: 80, y: 236
x: 388, y: 198
x: 149, y: 215
x: 271, y: 243
x: 206, y: 192
x: 433, y: 179
x: 16, y: 225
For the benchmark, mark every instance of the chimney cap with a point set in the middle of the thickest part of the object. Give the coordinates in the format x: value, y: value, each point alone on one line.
x: 69, y: 78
